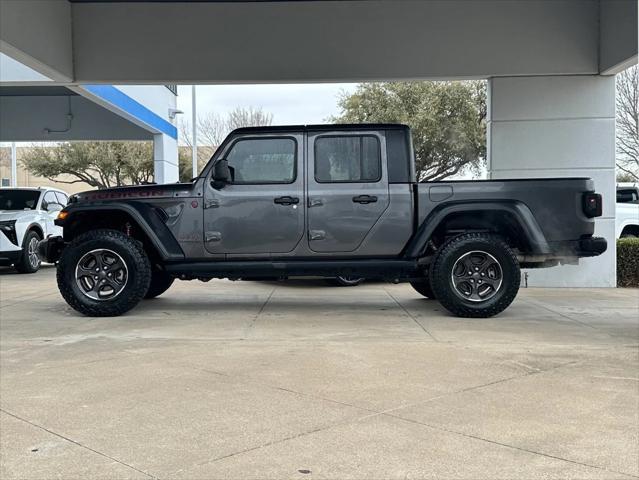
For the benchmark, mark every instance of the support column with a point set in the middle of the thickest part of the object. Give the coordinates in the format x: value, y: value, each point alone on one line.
x: 165, y: 159
x: 559, y: 126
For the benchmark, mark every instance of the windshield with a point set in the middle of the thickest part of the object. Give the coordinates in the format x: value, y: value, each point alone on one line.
x: 18, y: 199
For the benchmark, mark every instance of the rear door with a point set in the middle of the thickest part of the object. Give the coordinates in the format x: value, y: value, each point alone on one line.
x: 347, y: 188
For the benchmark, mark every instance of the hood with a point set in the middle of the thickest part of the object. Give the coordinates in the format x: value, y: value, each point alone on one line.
x: 136, y: 192
x: 13, y: 214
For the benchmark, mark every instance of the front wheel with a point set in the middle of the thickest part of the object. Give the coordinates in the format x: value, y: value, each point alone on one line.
x: 103, y: 273
x: 475, y: 275
x: 29, y: 260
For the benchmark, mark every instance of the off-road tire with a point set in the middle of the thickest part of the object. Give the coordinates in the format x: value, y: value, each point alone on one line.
x: 24, y: 264
x: 424, y: 288
x: 133, y: 255
x: 160, y: 283
x: 454, y: 249
x: 342, y: 281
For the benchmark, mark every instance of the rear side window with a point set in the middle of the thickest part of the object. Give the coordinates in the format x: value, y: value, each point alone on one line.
x: 262, y: 160
x: 352, y: 158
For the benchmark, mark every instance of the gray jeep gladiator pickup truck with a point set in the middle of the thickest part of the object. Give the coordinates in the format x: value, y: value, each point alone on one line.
x: 323, y: 200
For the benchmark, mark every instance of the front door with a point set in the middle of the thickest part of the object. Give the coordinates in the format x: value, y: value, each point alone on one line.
x: 262, y: 210
x: 347, y: 189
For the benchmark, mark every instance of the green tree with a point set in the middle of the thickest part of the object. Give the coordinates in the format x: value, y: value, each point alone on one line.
x: 448, y: 121
x: 99, y: 164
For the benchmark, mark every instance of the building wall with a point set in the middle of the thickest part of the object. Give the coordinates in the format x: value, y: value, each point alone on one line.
x: 560, y: 126
x: 157, y: 98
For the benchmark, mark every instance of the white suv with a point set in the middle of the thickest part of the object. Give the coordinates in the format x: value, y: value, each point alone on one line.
x: 627, y: 215
x: 26, y: 217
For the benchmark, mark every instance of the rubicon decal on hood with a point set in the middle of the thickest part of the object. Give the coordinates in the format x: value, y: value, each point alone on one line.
x: 116, y: 195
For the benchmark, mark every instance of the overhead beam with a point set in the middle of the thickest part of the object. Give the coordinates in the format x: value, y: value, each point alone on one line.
x: 47, y: 118
x: 618, y: 35
x: 37, y: 33
x: 245, y: 42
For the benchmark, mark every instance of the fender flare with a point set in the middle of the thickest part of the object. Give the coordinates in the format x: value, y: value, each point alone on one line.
x: 34, y: 225
x: 37, y: 227
x: 519, y: 211
x: 145, y: 217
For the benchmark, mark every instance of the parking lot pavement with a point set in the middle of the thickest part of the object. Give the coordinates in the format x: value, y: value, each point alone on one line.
x: 302, y: 380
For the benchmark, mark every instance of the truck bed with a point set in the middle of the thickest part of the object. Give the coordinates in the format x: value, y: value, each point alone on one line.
x: 555, y: 203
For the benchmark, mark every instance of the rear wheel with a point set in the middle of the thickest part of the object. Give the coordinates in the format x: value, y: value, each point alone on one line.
x: 103, y: 273
x: 475, y: 275
x: 160, y: 283
x: 29, y: 260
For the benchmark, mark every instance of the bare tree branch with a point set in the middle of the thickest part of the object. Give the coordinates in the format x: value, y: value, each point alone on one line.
x: 627, y: 122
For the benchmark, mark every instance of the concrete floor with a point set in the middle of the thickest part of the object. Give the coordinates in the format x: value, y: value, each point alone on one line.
x: 300, y: 380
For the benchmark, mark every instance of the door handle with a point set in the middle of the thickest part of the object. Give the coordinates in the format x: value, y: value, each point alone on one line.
x: 365, y: 199
x: 286, y: 200
x: 316, y: 235
x: 212, y: 236
x: 315, y: 202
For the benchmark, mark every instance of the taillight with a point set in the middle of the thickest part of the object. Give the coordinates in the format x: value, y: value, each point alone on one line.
x: 592, y: 204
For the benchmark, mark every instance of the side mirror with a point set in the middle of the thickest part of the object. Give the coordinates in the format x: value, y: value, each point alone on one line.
x: 221, y: 173
x: 54, y: 208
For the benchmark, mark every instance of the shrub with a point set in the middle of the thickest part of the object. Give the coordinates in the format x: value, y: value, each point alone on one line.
x: 628, y: 262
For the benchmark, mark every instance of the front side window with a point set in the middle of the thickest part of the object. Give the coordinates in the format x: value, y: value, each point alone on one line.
x: 62, y: 198
x: 18, y: 199
x: 353, y: 158
x: 262, y: 160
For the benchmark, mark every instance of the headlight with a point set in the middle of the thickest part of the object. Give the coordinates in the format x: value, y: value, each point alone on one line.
x: 8, y: 227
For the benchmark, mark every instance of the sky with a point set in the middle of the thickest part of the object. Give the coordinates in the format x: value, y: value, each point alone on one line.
x: 290, y: 104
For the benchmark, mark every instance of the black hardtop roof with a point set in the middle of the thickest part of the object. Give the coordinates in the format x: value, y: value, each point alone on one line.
x: 323, y: 127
